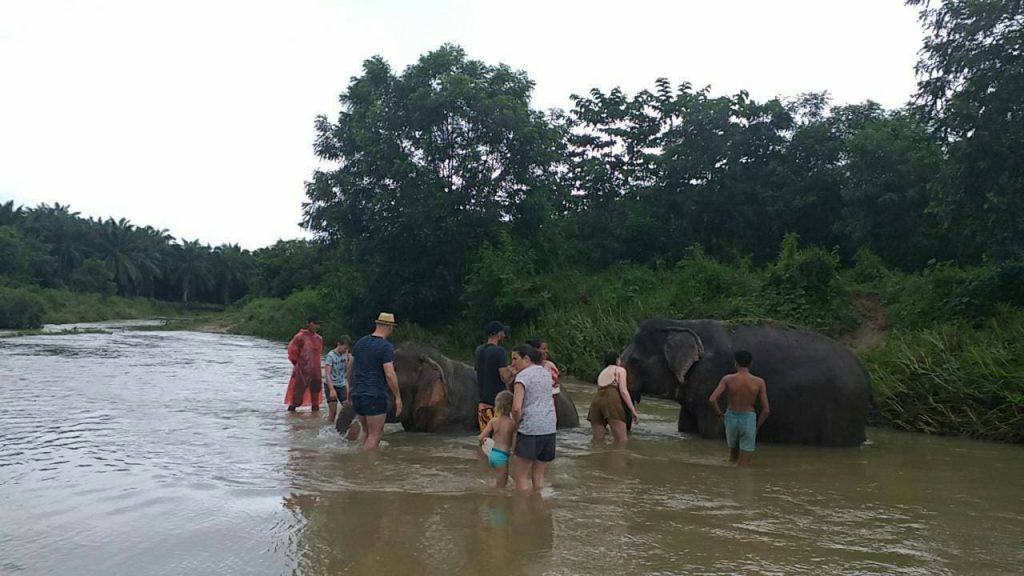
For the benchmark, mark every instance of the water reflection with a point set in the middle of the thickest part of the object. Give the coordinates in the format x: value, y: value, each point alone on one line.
x: 388, y: 532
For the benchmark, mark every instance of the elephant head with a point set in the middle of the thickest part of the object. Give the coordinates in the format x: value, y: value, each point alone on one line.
x: 659, y: 357
x: 424, y: 389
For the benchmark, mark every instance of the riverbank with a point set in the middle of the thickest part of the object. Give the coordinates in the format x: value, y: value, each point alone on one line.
x: 946, y: 356
x: 958, y: 377
x: 28, y: 308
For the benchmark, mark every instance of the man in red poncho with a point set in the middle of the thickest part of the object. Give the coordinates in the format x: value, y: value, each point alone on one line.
x: 305, y: 385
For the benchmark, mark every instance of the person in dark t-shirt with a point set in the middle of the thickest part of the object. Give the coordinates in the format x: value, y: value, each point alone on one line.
x: 370, y: 374
x: 493, y: 374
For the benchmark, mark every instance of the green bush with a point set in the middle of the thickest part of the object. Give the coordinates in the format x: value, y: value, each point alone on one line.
x: 503, y: 283
x: 954, y: 379
x: 277, y: 319
x: 66, y: 307
x: 804, y: 287
x: 868, y: 269
x: 20, y: 309
x: 706, y: 288
x: 941, y: 294
x: 93, y: 276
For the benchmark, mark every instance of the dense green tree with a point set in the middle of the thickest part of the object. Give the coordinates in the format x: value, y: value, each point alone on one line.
x: 289, y: 266
x: 972, y: 90
x: 427, y: 166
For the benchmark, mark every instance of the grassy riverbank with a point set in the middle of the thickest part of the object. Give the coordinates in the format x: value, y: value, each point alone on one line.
x: 30, y: 307
x: 945, y: 347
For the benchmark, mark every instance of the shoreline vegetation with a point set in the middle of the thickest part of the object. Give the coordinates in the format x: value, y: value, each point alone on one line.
x: 944, y: 348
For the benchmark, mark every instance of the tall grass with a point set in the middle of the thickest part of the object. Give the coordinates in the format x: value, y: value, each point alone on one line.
x: 954, y: 379
x: 58, y: 306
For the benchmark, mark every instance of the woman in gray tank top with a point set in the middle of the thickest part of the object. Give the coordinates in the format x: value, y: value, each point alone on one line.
x: 534, y: 414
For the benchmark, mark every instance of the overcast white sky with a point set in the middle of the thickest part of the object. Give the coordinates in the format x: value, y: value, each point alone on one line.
x: 197, y: 116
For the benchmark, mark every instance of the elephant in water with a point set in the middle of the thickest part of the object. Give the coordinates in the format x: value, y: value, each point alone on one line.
x: 819, y: 391
x: 440, y: 394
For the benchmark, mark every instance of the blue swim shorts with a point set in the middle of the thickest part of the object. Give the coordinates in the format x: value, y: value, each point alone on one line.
x: 740, y: 430
x: 498, y: 458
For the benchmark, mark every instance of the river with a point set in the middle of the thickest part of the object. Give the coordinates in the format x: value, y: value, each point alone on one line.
x: 150, y: 453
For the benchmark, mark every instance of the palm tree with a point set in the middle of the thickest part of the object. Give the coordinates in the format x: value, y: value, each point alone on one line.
x: 191, y: 271
x: 9, y: 215
x: 119, y: 249
x: 63, y: 233
x: 233, y: 268
x: 156, y: 245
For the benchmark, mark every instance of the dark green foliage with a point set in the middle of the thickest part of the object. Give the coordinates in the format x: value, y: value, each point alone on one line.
x: 942, y: 294
x: 52, y: 246
x: 428, y: 165
x: 706, y: 288
x: 804, y: 287
x: 503, y: 283
x: 93, y: 276
x: 20, y: 309
x: 279, y: 319
x: 289, y: 266
x: 971, y: 90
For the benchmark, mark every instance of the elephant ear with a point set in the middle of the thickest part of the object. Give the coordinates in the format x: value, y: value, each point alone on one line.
x: 683, y: 349
x: 430, y: 406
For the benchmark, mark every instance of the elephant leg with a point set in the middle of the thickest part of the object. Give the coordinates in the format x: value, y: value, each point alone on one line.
x: 687, y: 422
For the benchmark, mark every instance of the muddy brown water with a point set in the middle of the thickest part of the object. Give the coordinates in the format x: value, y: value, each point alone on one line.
x: 143, y: 453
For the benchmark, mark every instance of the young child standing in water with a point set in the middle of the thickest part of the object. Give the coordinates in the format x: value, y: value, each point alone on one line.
x: 501, y: 428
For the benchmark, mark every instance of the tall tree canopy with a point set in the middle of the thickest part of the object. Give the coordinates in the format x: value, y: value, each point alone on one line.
x: 972, y: 90
x: 425, y: 167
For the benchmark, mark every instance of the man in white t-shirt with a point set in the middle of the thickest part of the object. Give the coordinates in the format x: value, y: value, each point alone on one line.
x: 534, y: 414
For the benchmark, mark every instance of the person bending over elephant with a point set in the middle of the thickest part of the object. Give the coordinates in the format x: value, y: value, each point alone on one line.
x: 606, y: 410
x: 741, y: 421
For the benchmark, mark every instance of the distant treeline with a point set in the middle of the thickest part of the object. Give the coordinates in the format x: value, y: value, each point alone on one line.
x: 51, y: 246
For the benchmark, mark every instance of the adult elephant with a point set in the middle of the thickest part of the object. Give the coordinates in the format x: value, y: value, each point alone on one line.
x: 440, y: 394
x: 819, y: 391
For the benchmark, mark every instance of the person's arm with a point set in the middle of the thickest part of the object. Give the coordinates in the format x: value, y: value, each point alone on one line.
x: 765, y: 408
x: 488, y: 430
x: 348, y: 380
x: 392, y: 377
x: 328, y: 368
x: 294, y: 349
x: 624, y: 392
x: 517, y: 402
x: 507, y: 375
x: 713, y: 399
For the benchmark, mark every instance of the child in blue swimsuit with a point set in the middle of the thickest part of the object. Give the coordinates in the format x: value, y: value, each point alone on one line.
x: 502, y: 428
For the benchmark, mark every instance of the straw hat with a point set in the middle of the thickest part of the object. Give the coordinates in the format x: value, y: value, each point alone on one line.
x: 387, y: 319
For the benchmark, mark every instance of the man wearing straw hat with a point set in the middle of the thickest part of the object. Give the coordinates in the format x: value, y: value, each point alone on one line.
x: 370, y: 374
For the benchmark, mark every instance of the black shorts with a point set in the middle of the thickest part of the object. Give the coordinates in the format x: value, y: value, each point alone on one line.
x: 540, y: 448
x: 341, y: 392
x: 370, y: 405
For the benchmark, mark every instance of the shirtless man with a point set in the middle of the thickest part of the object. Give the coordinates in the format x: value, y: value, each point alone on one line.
x: 744, y: 389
